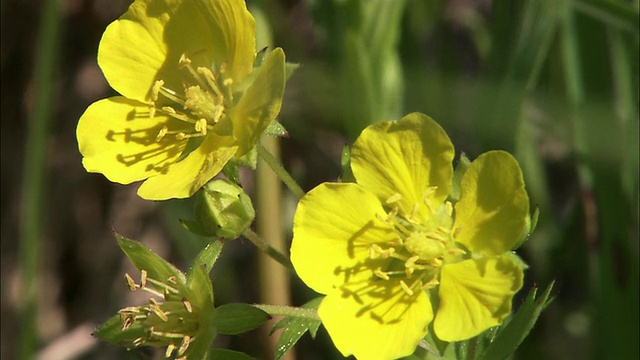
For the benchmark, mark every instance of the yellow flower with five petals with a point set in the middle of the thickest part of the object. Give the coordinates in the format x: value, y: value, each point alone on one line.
x: 190, y: 100
x: 384, y: 248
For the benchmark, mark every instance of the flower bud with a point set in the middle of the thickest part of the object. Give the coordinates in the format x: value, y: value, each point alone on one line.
x: 224, y: 210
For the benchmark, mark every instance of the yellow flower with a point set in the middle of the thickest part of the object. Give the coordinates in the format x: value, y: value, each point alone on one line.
x: 384, y: 248
x: 191, y: 99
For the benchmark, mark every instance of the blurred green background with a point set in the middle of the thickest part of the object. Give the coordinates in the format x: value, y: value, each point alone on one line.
x: 555, y: 82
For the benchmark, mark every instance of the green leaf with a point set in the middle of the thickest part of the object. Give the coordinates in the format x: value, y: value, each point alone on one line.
x: 232, y: 319
x: 231, y: 172
x: 111, y: 331
x: 511, y: 334
x: 345, y: 162
x: 224, y: 354
x: 207, y: 257
x: 294, y: 328
x: 145, y: 259
x: 276, y: 129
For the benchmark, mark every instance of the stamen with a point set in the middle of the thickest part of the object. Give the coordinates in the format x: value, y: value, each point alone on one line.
x: 143, y: 278
x: 182, y: 136
x: 138, y: 341
x: 162, y: 133
x: 168, y: 335
x: 381, y: 274
x: 201, y: 126
x: 185, y: 62
x: 449, y: 208
x: 211, y: 81
x: 169, y: 351
x: 152, y: 112
x: 394, y: 198
x: 187, y: 305
x: 132, y: 284
x: 158, y: 311
x: 168, y: 110
x: 406, y: 288
x: 171, y: 95
x: 155, y: 90
x: 185, y: 344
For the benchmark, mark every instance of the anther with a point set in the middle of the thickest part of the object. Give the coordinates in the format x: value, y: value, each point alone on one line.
x: 155, y: 90
x: 394, y: 198
x: 138, y: 341
x: 381, y: 274
x: 162, y: 133
x: 406, y: 289
x: 169, y: 350
x: 143, y: 278
x: 158, y: 311
x: 130, y: 282
x: 185, y: 344
x: 183, y: 61
x: 187, y: 305
x: 201, y: 126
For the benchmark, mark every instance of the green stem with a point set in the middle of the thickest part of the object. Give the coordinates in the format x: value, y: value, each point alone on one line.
x: 33, y: 205
x: 303, y: 313
x: 280, y: 171
x: 267, y: 249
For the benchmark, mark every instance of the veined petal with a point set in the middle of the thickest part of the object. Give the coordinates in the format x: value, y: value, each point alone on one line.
x: 475, y: 295
x: 333, y: 227
x: 491, y: 216
x: 185, y: 177
x: 146, y: 43
x: 260, y: 103
x: 234, y: 29
x: 405, y: 157
x: 375, y: 320
x: 117, y: 138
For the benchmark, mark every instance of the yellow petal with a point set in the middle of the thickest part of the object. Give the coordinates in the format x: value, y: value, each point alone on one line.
x: 492, y: 214
x: 117, y: 138
x: 405, y: 157
x: 474, y: 296
x: 333, y: 227
x: 146, y: 43
x: 375, y: 321
x: 260, y: 103
x: 185, y: 177
x: 234, y: 30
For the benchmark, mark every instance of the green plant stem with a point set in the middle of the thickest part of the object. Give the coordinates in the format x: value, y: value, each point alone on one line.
x: 33, y: 206
x: 267, y: 248
x: 280, y: 171
x: 310, y: 314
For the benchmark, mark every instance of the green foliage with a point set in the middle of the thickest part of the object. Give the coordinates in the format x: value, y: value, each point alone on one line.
x: 294, y: 328
x: 233, y: 319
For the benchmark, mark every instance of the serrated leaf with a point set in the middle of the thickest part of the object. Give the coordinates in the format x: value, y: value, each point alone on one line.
x: 511, y: 334
x: 294, y: 328
x: 224, y: 354
x: 275, y: 128
x: 207, y: 257
x: 145, y: 259
x: 233, y: 319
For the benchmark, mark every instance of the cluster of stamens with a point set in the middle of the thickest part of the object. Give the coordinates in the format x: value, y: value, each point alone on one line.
x: 203, y: 103
x: 172, y: 322
x: 424, y: 244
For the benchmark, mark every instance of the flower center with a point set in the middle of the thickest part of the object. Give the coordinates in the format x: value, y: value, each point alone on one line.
x: 207, y: 95
x: 424, y: 244
x: 172, y: 322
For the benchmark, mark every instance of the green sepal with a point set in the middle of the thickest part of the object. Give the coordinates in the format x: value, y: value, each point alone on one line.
x: 289, y: 69
x: 111, y: 331
x: 276, y: 129
x: 434, y: 344
x: 458, y: 173
x: 206, y: 258
x: 224, y: 354
x: 145, y: 259
x: 233, y: 319
x: 230, y: 170
x: 200, y: 282
x: 517, y: 259
x: 223, y: 210
x: 511, y: 334
x: 260, y: 56
x: 249, y: 160
x: 345, y: 163
x: 294, y: 328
